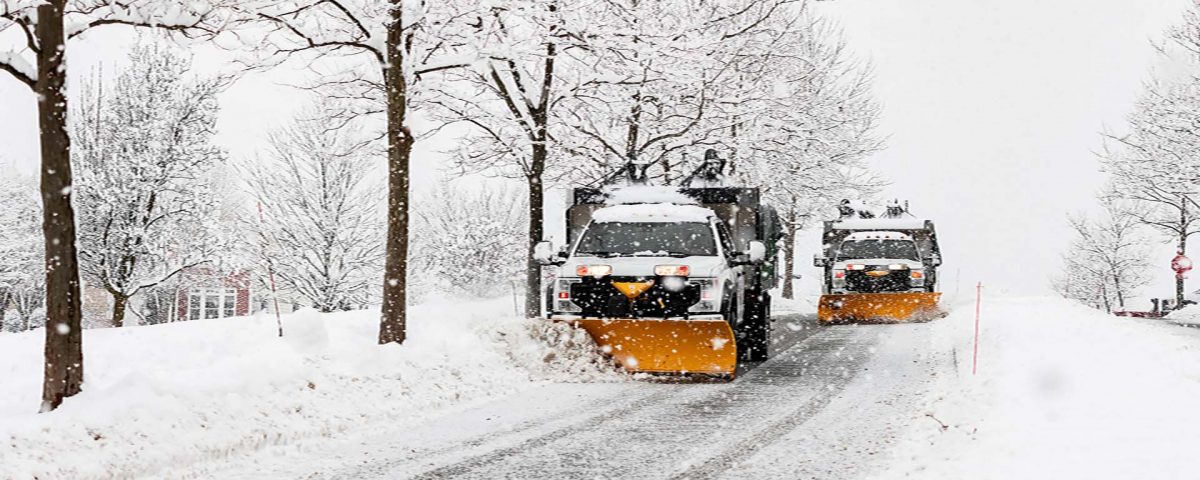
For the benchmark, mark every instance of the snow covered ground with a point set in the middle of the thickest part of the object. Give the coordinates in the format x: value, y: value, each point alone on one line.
x: 175, y: 395
x: 1062, y: 391
x: 1187, y: 316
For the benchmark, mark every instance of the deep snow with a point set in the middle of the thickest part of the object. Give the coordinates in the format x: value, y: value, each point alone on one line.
x: 185, y: 393
x: 1063, y: 392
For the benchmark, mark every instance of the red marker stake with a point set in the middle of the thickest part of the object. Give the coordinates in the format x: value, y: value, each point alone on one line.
x: 975, y: 356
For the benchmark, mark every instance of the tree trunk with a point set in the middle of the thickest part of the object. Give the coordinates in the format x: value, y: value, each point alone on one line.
x: 533, y: 269
x: 393, y: 315
x: 118, y: 311
x: 4, y: 295
x: 1116, y: 277
x: 64, y: 335
x: 537, y: 193
x: 1183, y: 226
x: 789, y: 266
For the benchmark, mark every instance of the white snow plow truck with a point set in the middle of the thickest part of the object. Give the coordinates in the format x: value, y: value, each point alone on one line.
x: 879, y: 269
x: 668, y: 279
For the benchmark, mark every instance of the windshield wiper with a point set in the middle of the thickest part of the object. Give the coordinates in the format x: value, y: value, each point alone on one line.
x: 598, y: 254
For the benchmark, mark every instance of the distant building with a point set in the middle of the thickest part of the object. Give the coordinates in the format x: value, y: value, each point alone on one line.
x: 204, y: 294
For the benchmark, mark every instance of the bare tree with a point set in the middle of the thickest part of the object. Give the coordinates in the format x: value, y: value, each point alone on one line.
x: 145, y: 157
x: 1107, y: 261
x: 390, y: 46
x: 574, y: 92
x: 42, y: 31
x: 321, y: 211
x: 1157, y: 164
x: 807, y: 122
x: 22, y: 278
x: 507, y: 98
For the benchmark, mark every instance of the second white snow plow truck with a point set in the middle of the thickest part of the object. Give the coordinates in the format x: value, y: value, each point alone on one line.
x: 668, y: 279
x: 879, y: 269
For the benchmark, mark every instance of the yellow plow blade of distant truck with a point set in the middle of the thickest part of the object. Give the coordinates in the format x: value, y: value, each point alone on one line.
x: 666, y: 346
x: 879, y: 307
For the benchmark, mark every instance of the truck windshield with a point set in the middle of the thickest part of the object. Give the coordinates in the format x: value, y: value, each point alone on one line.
x: 632, y: 239
x: 871, y: 249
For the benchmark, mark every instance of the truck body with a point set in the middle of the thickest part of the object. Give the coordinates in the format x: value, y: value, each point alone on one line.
x: 669, y: 279
x: 879, y: 269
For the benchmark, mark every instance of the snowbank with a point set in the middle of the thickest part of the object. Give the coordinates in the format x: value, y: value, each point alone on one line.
x: 1063, y: 391
x: 180, y: 394
x: 1188, y: 316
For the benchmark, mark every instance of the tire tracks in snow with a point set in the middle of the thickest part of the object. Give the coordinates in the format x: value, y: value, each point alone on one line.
x: 745, y: 448
x: 685, y: 413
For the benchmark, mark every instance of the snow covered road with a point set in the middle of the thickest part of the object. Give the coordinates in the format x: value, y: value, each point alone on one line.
x: 828, y: 404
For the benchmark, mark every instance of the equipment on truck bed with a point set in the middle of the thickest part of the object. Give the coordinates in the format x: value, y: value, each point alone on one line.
x: 879, y: 269
x: 668, y: 279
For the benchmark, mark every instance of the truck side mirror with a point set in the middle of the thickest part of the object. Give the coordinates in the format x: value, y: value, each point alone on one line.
x: 935, y: 260
x: 757, y: 253
x: 819, y: 261
x: 544, y: 254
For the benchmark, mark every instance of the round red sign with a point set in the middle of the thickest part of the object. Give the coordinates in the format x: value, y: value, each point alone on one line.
x: 1181, y: 264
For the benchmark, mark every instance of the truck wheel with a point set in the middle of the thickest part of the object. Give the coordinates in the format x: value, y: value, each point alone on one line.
x: 754, y: 335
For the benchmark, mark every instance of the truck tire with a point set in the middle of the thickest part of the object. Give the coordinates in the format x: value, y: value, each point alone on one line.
x: 754, y: 333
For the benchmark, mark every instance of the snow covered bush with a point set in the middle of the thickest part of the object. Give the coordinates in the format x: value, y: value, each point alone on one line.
x: 470, y: 240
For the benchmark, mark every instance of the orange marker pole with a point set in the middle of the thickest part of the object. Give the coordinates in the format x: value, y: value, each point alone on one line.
x: 978, y: 300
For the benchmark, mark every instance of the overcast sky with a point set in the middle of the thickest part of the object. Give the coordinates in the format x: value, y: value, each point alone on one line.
x: 992, y: 108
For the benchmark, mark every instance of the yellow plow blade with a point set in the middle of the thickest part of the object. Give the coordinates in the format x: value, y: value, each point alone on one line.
x: 895, y: 307
x: 666, y: 346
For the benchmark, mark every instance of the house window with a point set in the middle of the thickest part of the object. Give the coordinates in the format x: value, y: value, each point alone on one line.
x: 194, y: 306
x: 209, y: 303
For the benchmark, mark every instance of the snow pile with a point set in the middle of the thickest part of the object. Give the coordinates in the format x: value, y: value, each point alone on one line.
x: 648, y: 194
x: 1063, y: 391
x: 880, y: 224
x: 186, y: 393
x: 653, y: 212
x: 1186, y: 316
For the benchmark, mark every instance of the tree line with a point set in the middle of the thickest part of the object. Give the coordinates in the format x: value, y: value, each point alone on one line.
x: 551, y: 93
x: 1153, y: 187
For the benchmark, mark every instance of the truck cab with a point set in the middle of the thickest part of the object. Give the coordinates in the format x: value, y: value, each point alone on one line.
x: 878, y: 262
x: 664, y: 261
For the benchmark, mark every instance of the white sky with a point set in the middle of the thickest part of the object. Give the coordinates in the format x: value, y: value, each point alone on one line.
x: 992, y: 108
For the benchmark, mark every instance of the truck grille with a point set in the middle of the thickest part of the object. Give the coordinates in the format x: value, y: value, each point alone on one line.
x: 862, y: 282
x: 597, y: 297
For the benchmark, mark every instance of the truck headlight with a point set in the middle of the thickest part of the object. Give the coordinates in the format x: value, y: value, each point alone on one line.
x: 562, y: 296
x: 710, y: 295
x: 917, y: 278
x: 839, y: 278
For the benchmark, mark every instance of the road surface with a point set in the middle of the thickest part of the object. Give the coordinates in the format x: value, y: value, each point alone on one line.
x: 826, y: 405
